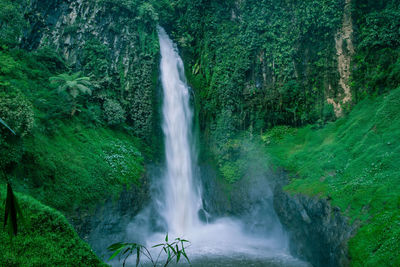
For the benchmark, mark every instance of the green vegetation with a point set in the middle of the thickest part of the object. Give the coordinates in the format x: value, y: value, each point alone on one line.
x: 55, y: 157
x: 65, y: 162
x: 267, y: 62
x: 377, y: 61
x: 78, y: 167
x: 173, y: 250
x: 12, y: 22
x: 258, y: 64
x: 355, y: 162
x: 46, y: 239
x: 73, y: 85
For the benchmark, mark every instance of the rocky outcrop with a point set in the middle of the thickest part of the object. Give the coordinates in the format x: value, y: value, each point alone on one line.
x: 69, y: 25
x: 344, y: 51
x: 318, y: 231
x: 108, y: 222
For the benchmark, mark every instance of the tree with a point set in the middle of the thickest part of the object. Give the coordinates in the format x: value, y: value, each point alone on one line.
x: 74, y: 85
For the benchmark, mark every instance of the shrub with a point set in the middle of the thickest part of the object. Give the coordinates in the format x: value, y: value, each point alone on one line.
x: 16, y: 111
x: 114, y: 114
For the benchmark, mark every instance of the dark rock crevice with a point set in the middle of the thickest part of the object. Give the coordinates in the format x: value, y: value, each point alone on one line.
x: 318, y: 232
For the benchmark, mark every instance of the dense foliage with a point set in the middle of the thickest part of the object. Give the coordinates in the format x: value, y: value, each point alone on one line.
x: 377, y: 62
x: 268, y: 62
x: 258, y: 64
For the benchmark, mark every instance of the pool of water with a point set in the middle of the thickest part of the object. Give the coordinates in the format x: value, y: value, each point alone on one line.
x: 238, y: 260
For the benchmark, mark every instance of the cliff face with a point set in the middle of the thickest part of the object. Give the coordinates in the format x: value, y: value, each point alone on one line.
x: 267, y: 63
x: 109, y: 41
x: 317, y: 231
x: 69, y: 25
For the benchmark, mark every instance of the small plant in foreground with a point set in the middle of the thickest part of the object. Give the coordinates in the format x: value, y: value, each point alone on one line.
x: 175, y: 249
x: 12, y: 209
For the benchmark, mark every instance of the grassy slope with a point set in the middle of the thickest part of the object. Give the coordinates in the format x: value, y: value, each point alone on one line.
x: 47, y: 239
x: 66, y: 161
x: 355, y: 161
x: 79, y: 166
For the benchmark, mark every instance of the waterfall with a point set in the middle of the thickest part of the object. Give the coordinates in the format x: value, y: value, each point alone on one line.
x: 178, y: 201
x: 182, y: 200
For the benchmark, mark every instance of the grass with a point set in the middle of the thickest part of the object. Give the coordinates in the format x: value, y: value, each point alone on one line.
x: 78, y: 166
x: 356, y: 162
x: 46, y: 239
x: 64, y: 162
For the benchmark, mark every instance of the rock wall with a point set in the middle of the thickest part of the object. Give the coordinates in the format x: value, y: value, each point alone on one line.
x: 68, y: 25
x: 318, y: 232
x: 125, y: 66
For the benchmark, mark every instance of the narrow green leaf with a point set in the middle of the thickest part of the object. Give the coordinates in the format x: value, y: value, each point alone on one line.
x: 115, y: 253
x: 137, y: 256
x: 19, y: 211
x: 126, y: 250
x: 172, y: 248
x: 115, y: 246
x: 10, y: 213
x: 184, y: 254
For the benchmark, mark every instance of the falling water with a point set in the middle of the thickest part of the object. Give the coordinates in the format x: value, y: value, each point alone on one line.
x: 182, y: 200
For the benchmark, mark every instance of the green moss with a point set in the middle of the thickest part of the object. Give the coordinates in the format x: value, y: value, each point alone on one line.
x: 47, y: 239
x: 355, y: 161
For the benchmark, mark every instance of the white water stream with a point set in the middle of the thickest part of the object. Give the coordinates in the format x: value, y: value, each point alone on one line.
x: 181, y: 197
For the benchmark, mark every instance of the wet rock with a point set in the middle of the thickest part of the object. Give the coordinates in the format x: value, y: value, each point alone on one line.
x: 318, y: 232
